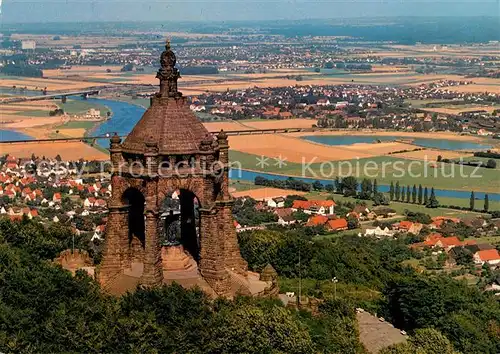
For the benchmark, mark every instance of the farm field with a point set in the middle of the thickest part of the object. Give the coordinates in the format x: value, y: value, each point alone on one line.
x: 32, y: 118
x: 293, y: 149
x: 385, y: 169
x: 265, y: 193
x: 226, y: 126
x: 401, y: 207
x: 432, y: 155
x: 402, y: 134
x: 37, y: 84
x: 279, y: 124
x: 47, y: 41
x: 456, y: 109
x: 67, y: 150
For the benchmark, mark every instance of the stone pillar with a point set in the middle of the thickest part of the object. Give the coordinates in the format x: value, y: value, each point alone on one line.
x: 116, y: 236
x: 153, y: 273
x: 115, y: 153
x: 227, y: 235
x: 211, y: 263
x: 224, y: 161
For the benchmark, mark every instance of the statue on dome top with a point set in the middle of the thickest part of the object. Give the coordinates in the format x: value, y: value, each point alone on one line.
x: 168, y: 73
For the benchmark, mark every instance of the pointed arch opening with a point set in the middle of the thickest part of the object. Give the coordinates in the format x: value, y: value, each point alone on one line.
x: 180, y: 221
x: 135, y: 202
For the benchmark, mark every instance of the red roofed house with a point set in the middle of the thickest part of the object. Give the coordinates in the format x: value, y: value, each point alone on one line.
x: 285, y: 216
x: 322, y: 207
x: 337, y: 224
x: 438, y: 221
x: 100, y: 203
x: 408, y: 226
x: 447, y: 243
x: 317, y: 220
x: 437, y: 240
x: 26, y: 191
x: 491, y: 257
x: 57, y: 198
x: 89, y: 202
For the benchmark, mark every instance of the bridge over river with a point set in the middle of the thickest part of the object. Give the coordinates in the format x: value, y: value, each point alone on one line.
x: 62, y: 95
x: 93, y: 139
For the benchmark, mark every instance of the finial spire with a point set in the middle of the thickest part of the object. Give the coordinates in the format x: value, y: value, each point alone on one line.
x: 168, y: 73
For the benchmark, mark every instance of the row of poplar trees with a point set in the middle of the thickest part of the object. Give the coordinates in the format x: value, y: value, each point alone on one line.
x: 473, y: 201
x: 413, y: 195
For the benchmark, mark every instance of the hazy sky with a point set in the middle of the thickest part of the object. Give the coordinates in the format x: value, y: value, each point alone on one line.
x: 224, y: 10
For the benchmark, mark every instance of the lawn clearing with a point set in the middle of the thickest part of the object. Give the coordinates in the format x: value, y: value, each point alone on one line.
x: 77, y: 107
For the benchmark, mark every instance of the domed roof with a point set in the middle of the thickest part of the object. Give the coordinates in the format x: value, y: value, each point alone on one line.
x: 168, y: 123
x: 171, y: 125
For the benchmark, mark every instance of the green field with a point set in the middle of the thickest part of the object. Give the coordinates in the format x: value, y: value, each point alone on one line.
x: 494, y: 240
x: 400, y: 207
x: 423, y: 103
x: 33, y: 113
x: 241, y: 186
x: 482, y: 159
x: 80, y: 107
x: 78, y: 125
x: 385, y: 169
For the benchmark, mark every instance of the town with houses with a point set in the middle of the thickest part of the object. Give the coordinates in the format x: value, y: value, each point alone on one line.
x: 56, y: 194
x: 355, y: 106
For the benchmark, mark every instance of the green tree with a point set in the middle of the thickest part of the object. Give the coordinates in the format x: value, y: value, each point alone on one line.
x: 486, y: 203
x: 338, y: 185
x: 352, y: 222
x: 420, y: 194
x: 366, y: 189
x: 350, y: 186
x: 250, y: 329
x: 414, y: 194
x: 299, y: 215
x: 398, y: 191
x: 426, y: 196
x: 433, y: 202
x: 391, y: 191
x: 317, y: 186
x: 472, y: 201
x: 408, y: 194
x: 375, y: 187
x: 462, y: 256
x: 403, y: 194
x: 423, y: 341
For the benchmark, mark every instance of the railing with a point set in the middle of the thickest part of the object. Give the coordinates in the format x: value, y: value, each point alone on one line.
x: 233, y: 132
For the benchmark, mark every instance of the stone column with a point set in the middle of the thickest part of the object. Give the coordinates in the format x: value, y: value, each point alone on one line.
x: 211, y: 263
x: 227, y: 235
x: 153, y: 273
x: 116, y: 237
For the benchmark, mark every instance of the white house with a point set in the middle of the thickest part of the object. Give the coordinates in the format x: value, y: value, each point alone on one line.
x: 491, y: 257
x: 278, y: 202
x: 378, y: 232
x: 321, y: 207
x: 323, y: 102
